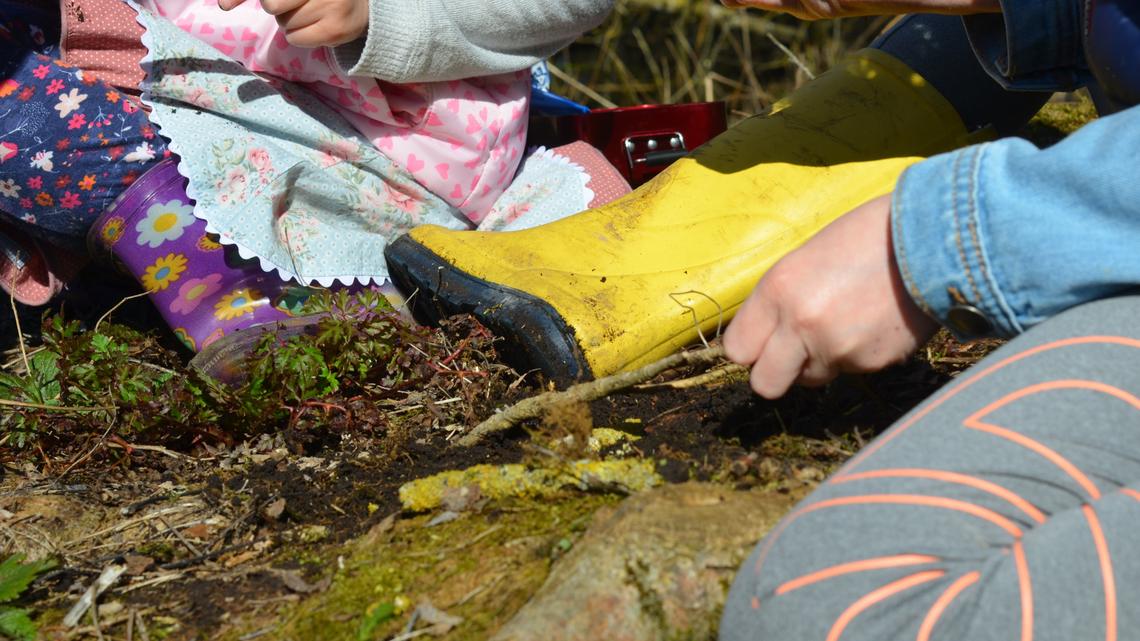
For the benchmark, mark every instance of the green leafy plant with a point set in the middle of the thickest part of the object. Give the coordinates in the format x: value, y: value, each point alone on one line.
x: 121, y: 384
x: 15, y: 577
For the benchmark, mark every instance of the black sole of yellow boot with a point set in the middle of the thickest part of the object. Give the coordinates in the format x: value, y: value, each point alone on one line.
x: 535, y: 336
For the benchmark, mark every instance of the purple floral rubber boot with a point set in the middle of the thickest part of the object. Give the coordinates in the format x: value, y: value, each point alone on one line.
x: 206, y: 296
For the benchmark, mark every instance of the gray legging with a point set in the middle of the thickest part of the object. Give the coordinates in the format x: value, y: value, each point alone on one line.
x: 1005, y: 507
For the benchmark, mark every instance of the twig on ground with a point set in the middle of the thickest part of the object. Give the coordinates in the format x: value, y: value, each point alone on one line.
x: 119, y: 527
x: 717, y: 374
x: 479, y: 537
x: 95, y: 622
x: 178, y: 535
x: 158, y: 449
x: 407, y: 636
x: 13, y: 355
x: 20, y: 334
x: 55, y: 408
x: 476, y: 591
x: 535, y: 406
x: 115, y: 307
x: 158, y: 580
x: 102, y: 441
x: 142, y: 626
x: 209, y: 556
x: 106, y: 579
x: 111, y: 622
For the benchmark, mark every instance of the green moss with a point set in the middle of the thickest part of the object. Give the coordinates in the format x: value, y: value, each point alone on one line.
x: 483, y: 568
x: 786, y: 446
x: 1059, y: 119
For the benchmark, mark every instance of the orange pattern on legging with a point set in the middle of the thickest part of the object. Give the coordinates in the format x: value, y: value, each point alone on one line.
x: 975, y: 421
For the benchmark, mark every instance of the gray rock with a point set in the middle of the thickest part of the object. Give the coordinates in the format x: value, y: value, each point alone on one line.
x: 658, y: 568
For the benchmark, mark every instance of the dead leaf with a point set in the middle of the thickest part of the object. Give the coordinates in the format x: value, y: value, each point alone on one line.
x: 441, y: 622
x: 461, y: 499
x: 274, y: 510
x: 443, y: 517
x: 197, y: 531
x: 386, y: 524
x: 240, y: 558
x: 137, y: 564
x: 292, y: 580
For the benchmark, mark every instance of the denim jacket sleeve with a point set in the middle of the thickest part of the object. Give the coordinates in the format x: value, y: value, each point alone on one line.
x: 1021, y: 233
x: 1032, y: 45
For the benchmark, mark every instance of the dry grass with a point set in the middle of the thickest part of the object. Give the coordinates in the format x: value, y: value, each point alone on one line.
x: 670, y: 51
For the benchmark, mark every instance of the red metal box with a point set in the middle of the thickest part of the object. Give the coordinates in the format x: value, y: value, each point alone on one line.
x: 640, y: 141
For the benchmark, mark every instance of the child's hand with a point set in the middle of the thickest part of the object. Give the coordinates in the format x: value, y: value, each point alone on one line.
x: 836, y: 304
x: 315, y: 23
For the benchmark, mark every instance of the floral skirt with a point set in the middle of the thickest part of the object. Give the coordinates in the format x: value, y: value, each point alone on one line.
x: 280, y: 175
x: 273, y: 171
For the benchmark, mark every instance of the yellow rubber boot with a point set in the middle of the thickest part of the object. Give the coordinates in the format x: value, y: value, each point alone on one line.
x: 614, y: 288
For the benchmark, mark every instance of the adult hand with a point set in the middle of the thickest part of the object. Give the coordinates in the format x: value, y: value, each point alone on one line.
x: 315, y: 23
x: 836, y: 304
x: 818, y: 9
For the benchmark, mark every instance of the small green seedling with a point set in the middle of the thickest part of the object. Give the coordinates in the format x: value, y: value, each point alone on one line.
x: 15, y: 577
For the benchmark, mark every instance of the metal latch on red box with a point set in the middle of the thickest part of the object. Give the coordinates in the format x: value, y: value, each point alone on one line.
x: 639, y: 141
x: 653, y: 151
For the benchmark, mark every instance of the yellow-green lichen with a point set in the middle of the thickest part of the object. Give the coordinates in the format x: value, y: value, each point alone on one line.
x: 603, y: 437
x: 503, y: 481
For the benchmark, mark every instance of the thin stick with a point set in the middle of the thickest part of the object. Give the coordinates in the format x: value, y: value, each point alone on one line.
x: 715, y: 375
x: 482, y: 535
x: 117, y: 306
x: 54, y: 408
x: 98, y: 444
x: 573, y: 82
x: 20, y: 334
x: 793, y: 57
x: 158, y: 580
x: 174, y: 509
x: 536, y: 405
x: 178, y: 535
x: 693, y: 312
x: 95, y: 620
x: 142, y: 626
x: 154, y: 448
x: 16, y: 352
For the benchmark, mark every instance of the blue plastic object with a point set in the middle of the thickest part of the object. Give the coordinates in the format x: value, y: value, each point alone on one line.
x: 543, y: 102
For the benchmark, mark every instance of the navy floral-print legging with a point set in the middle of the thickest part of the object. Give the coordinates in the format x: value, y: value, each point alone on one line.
x: 69, y: 142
